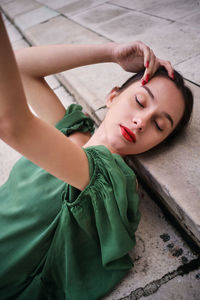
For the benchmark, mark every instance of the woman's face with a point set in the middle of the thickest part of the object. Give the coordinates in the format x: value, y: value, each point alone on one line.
x: 151, y: 112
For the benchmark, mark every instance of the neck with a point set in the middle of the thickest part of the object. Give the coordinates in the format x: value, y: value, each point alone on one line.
x: 99, y: 138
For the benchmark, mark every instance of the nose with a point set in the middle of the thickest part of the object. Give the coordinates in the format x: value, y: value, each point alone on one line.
x: 139, y: 123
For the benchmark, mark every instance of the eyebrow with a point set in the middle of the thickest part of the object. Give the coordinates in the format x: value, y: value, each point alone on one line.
x: 153, y: 98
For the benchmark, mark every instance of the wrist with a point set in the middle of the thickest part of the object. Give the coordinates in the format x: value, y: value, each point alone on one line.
x: 114, y: 50
x: 110, y: 52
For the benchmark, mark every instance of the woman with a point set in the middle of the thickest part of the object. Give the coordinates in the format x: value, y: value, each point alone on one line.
x: 69, y: 210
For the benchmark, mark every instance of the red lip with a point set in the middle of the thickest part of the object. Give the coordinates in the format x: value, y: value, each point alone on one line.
x: 128, y: 134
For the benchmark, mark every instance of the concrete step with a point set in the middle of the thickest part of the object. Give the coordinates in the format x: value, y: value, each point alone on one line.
x: 172, y: 171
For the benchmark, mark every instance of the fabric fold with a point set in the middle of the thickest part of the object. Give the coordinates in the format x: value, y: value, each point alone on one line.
x: 75, y: 120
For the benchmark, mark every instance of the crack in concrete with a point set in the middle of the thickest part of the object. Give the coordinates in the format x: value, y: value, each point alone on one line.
x: 153, y: 286
x: 142, y: 11
x: 197, y: 84
x: 186, y: 59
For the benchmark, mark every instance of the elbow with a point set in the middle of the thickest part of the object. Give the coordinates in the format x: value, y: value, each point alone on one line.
x: 19, y: 56
x: 11, y: 125
x: 6, y: 128
x: 13, y: 128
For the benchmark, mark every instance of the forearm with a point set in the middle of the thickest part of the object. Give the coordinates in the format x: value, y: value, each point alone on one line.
x: 12, y: 98
x: 41, y: 61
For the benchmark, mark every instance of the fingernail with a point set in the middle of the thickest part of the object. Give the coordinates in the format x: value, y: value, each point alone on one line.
x: 147, y: 64
x: 173, y: 76
x: 147, y: 78
x: 143, y: 82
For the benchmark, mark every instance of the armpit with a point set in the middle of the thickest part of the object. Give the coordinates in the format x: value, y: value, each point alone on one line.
x: 80, y: 138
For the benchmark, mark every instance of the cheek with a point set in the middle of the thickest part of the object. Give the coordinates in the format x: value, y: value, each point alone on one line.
x: 122, y: 109
x: 159, y: 141
x: 150, y: 140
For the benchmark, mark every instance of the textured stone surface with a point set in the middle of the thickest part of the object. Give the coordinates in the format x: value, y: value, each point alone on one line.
x: 173, y: 9
x: 34, y: 17
x: 4, y: 1
x: 175, y: 42
x: 52, y: 81
x: 136, y: 23
x: 6, y: 21
x: 64, y: 96
x: 75, y: 7
x: 93, y: 17
x: 8, y: 157
x: 191, y: 68
x: 19, y: 44
x: 192, y: 20
x: 14, y: 8
x: 60, y: 30
x: 181, y: 287
x: 55, y: 4
x: 13, y: 33
x: 136, y: 4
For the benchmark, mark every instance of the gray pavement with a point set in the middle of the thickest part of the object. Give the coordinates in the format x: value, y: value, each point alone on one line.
x: 164, y: 262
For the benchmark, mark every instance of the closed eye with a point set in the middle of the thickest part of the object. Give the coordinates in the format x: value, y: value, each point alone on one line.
x: 157, y: 126
x: 136, y: 99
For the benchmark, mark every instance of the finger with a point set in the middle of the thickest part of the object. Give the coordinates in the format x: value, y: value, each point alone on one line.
x: 168, y: 67
x: 149, y: 71
x: 145, y: 52
x: 152, y: 63
x: 156, y: 66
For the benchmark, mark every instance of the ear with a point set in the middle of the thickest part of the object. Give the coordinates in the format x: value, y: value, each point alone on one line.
x: 111, y: 96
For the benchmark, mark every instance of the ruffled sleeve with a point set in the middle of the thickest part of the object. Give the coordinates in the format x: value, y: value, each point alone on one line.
x: 89, y: 253
x: 75, y: 120
x: 116, y: 208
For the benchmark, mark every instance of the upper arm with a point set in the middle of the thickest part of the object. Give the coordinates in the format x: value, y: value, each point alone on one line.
x: 42, y: 99
x: 51, y: 150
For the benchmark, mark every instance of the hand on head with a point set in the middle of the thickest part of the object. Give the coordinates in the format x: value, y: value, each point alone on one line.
x: 135, y: 56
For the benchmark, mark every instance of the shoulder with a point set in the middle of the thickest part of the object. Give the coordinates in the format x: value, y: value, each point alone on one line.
x: 110, y: 166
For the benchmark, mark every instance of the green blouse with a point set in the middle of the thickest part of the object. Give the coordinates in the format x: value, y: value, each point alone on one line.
x: 57, y: 242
